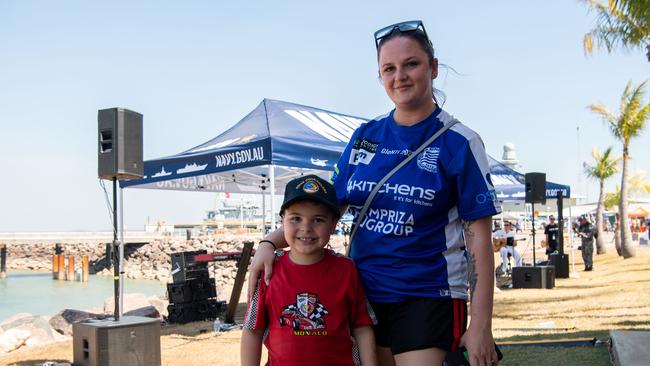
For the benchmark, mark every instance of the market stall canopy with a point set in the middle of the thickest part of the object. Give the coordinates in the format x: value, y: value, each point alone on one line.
x: 639, y: 212
x: 294, y: 139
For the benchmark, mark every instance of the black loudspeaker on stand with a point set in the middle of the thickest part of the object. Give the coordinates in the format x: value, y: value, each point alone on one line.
x: 535, y: 187
x: 120, y: 144
x: 535, y: 193
x: 535, y: 276
x: 122, y: 340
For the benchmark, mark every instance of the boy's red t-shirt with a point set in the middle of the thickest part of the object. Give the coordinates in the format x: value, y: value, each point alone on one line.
x: 309, y: 311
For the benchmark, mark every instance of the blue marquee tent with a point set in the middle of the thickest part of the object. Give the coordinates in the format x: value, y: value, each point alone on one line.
x: 275, y: 143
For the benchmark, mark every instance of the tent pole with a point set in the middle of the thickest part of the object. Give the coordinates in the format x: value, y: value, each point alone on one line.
x: 115, y: 255
x: 501, y: 220
x: 264, y: 211
x: 533, y: 222
x: 272, y: 195
x: 573, y: 274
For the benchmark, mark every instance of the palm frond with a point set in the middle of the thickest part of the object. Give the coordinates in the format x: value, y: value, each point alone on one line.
x: 637, y: 184
x: 608, y: 117
x: 619, y: 23
x: 605, y: 165
x: 612, y: 199
x: 631, y: 124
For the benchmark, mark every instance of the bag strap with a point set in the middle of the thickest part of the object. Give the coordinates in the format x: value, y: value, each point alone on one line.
x: 373, y: 193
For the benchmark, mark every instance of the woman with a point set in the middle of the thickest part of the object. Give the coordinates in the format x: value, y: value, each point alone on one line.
x: 427, y: 226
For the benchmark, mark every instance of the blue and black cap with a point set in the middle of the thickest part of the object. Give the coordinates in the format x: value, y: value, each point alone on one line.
x: 311, y: 188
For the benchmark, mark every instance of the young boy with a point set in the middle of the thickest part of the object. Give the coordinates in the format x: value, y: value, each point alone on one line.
x: 314, y: 310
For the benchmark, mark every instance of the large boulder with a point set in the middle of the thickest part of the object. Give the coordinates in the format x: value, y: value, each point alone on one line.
x: 4, y: 325
x: 27, y: 330
x: 147, y: 311
x: 12, y: 340
x: 62, y: 321
x: 159, y: 304
x: 130, y: 302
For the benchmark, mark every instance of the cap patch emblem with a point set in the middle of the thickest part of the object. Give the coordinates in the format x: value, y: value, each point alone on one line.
x: 310, y: 187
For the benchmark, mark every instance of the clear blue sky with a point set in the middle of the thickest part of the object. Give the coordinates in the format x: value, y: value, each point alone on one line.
x: 195, y: 68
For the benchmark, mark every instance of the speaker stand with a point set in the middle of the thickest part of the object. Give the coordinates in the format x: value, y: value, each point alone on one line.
x: 115, y: 255
x: 533, y: 221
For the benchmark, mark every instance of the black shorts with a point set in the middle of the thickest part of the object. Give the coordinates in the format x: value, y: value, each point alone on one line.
x: 420, y: 323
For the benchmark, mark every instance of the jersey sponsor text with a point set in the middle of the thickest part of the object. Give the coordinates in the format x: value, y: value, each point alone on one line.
x: 421, y: 193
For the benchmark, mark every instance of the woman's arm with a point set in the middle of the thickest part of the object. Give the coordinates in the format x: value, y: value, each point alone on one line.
x: 365, y: 339
x: 478, y: 338
x: 251, y: 347
x: 263, y: 259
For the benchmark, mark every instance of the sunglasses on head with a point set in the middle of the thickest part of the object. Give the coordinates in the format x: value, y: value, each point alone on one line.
x: 403, y: 27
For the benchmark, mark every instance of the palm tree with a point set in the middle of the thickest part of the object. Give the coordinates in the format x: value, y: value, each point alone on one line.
x: 627, y: 125
x: 637, y: 185
x: 605, y: 166
x: 624, y: 23
x: 611, y: 200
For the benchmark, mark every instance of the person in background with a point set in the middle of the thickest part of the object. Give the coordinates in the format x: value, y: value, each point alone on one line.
x: 315, y: 311
x: 496, y: 226
x: 428, y: 229
x: 508, y: 250
x: 552, y: 230
x: 586, y: 233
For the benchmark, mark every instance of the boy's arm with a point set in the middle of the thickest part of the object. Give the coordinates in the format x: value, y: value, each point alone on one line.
x: 251, y: 347
x: 366, y: 341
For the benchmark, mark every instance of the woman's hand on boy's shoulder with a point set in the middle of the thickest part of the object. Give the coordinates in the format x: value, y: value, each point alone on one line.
x: 262, y: 263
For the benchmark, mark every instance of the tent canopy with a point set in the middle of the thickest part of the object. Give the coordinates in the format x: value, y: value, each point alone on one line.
x: 639, y: 212
x: 509, y: 184
x: 293, y: 138
x: 275, y: 143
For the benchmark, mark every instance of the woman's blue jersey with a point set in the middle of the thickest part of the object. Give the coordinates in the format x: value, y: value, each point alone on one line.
x: 411, y: 242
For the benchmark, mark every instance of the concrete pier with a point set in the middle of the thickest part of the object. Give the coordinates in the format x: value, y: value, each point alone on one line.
x: 630, y: 348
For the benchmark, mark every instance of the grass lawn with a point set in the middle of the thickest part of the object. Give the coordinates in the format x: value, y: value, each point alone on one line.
x: 615, y: 296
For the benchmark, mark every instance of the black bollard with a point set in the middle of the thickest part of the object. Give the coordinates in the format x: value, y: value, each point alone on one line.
x: 3, y: 260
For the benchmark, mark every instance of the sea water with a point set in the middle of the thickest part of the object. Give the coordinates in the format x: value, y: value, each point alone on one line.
x: 37, y: 293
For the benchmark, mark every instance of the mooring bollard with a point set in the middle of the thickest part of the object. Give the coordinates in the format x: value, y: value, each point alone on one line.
x: 61, y: 273
x: 3, y: 260
x: 55, y: 266
x: 85, y: 268
x: 70, y: 275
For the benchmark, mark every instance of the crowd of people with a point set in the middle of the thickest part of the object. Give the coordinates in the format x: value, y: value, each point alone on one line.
x: 505, y: 242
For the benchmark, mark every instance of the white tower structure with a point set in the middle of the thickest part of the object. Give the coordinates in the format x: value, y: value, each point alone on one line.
x: 509, y: 157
